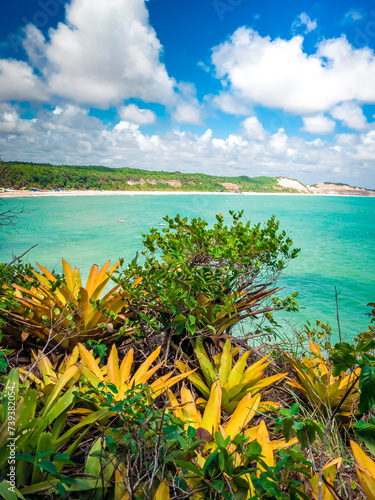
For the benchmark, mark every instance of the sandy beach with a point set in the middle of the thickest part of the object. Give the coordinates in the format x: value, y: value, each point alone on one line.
x: 27, y: 194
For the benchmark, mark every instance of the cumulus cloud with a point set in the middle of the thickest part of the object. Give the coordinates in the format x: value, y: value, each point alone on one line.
x: 103, y: 53
x: 76, y: 137
x: 231, y: 104
x: 188, y: 108
x: 279, y: 74
x: 134, y: 114
x: 187, y: 113
x: 318, y: 124
x: 254, y: 129
x: 10, y: 121
x: 351, y: 115
x: 303, y: 20
x: 19, y: 83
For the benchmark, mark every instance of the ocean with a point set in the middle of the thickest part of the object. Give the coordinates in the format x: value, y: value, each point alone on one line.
x: 336, y: 236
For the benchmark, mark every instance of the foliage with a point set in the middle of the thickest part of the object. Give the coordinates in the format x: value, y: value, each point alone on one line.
x: 37, y: 429
x: 87, y: 425
x: 115, y: 379
x: 365, y: 468
x: 65, y: 376
x: 358, y: 358
x: 322, y: 384
x: 65, y: 312
x: 236, y: 380
x: 46, y: 176
x: 201, y: 281
x: 16, y: 273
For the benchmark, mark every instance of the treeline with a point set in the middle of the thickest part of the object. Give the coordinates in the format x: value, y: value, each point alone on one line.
x: 18, y: 175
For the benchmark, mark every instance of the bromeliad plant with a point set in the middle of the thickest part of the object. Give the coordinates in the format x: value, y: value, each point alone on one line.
x: 65, y: 376
x: 67, y: 313
x: 320, y: 384
x: 114, y: 379
x: 236, y: 380
x: 36, y: 430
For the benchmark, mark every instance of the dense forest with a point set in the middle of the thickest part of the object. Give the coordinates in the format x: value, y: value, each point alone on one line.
x: 45, y: 176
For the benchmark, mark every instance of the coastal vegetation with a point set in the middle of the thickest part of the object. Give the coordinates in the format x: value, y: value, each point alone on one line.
x: 176, y: 381
x: 17, y: 175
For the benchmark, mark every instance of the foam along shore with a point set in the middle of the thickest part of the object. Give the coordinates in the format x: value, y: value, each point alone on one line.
x: 26, y: 194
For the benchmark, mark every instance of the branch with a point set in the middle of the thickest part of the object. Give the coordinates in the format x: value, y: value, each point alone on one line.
x: 326, y: 428
x: 20, y: 257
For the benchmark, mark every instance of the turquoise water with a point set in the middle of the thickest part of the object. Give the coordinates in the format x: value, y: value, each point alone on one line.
x: 336, y: 235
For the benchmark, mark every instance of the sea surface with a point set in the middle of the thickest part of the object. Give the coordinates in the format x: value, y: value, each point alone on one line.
x: 336, y: 236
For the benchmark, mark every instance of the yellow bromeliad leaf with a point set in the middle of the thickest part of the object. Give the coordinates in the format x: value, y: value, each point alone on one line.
x: 329, y: 472
x: 191, y: 416
x: 119, y: 375
x: 206, y: 366
x: 175, y: 406
x: 195, y: 379
x: 225, y: 363
x: 69, y: 306
x: 162, y: 493
x: 91, y: 362
x: 236, y: 381
x: 113, y: 367
x: 365, y: 468
x: 263, y: 439
x: 126, y: 366
x: 144, y: 367
x: 237, y: 372
x: 212, y: 413
x: 318, y: 384
x: 242, y: 415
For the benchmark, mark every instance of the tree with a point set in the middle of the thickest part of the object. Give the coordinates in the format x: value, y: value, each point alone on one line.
x: 8, y: 216
x: 201, y: 281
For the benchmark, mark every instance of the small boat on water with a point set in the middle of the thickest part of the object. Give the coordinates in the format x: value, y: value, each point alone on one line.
x: 161, y: 224
x: 120, y: 220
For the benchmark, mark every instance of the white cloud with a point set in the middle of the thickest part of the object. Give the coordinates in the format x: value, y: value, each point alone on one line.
x: 318, y: 124
x: 18, y: 82
x: 279, y: 74
x: 231, y: 104
x: 353, y: 15
x: 75, y: 137
x: 204, y: 66
x: 134, y: 114
x: 304, y: 20
x: 10, y: 121
x: 254, y: 129
x: 188, y: 109
x: 351, y: 115
x: 187, y: 113
x: 103, y: 53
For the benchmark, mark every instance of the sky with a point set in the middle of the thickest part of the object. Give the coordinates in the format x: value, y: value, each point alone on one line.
x: 224, y: 87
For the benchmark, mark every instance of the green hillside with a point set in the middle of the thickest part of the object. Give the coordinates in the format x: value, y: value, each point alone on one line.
x: 18, y: 175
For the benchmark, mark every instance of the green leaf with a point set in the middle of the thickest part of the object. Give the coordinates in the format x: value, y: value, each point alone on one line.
x: 217, y: 485
x: 60, y: 489
x: 223, y: 460
x: 365, y: 431
x: 254, y: 448
x: 189, y: 466
x: 25, y: 456
x: 343, y: 358
x: 47, y: 466
x: 367, y: 388
x: 219, y: 440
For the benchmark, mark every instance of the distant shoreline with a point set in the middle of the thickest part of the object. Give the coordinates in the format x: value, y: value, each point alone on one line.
x: 27, y: 194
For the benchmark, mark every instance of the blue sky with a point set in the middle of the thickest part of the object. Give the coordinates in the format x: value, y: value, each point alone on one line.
x: 225, y: 87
